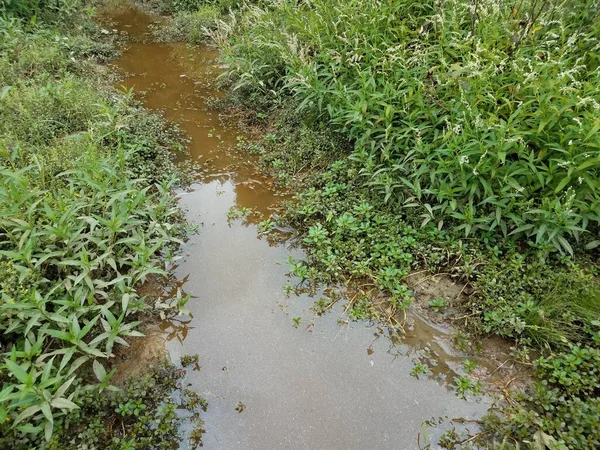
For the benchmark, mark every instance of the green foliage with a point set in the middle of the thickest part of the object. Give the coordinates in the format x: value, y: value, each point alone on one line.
x: 238, y: 213
x: 266, y: 226
x: 296, y: 152
x: 143, y: 415
x: 437, y: 304
x: 469, y: 366
x: 465, y: 385
x: 187, y: 5
x: 564, y: 405
x: 351, y: 236
x: 192, y: 400
x: 541, y: 305
x: 183, y: 7
x: 419, y: 368
x: 71, y: 260
x: 86, y: 216
x: 190, y: 26
x: 38, y: 114
x: 190, y: 360
x: 481, y: 114
x: 30, y: 8
x: 471, y: 136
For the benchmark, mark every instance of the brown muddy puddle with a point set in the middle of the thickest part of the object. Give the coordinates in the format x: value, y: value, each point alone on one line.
x: 320, y: 385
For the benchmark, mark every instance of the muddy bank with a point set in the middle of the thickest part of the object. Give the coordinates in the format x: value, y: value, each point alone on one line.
x: 320, y: 384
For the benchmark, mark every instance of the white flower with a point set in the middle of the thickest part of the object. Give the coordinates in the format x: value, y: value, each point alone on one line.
x: 479, y: 123
x: 464, y: 160
x: 571, y: 142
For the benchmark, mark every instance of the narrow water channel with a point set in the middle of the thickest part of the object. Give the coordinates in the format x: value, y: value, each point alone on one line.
x: 320, y: 385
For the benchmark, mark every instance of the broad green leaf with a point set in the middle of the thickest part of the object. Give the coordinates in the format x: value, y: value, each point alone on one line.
x: 592, y: 245
x: 4, y: 91
x: 17, y: 371
x: 63, y: 403
x: 29, y: 429
x: 99, y: 370
x: 125, y: 302
x: 48, y: 430
x: 47, y: 412
x: 26, y: 413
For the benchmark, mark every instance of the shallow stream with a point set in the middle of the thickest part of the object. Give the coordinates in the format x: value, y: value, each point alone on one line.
x: 321, y: 385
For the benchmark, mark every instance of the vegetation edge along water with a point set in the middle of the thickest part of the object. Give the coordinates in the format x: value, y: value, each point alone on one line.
x: 87, y: 215
x: 448, y: 136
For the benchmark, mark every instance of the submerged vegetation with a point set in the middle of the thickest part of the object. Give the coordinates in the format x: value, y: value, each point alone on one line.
x: 454, y: 136
x: 87, y: 215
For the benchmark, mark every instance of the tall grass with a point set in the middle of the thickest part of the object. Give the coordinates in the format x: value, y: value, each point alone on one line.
x: 483, y: 114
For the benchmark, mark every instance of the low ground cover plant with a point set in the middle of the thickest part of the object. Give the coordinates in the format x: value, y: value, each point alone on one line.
x: 190, y: 26
x: 87, y: 214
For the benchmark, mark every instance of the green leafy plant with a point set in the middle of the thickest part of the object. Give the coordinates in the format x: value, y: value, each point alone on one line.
x: 192, y: 400
x: 539, y: 304
x: 470, y: 366
x: 266, y: 226
x: 497, y: 137
x: 418, y: 369
x: 190, y: 360
x: 465, y: 385
x: 86, y: 214
x: 235, y: 213
x: 442, y: 136
x: 191, y: 26
x: 562, y: 406
x: 437, y: 304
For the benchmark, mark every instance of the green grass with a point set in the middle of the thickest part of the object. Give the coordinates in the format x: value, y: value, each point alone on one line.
x: 484, y: 119
x: 543, y: 306
x: 87, y: 214
x: 182, y: 7
x: 190, y: 26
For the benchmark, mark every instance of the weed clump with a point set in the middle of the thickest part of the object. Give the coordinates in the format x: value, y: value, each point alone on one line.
x: 190, y: 26
x: 543, y: 306
x: 144, y: 414
x: 494, y: 136
x: 562, y: 408
x: 87, y: 215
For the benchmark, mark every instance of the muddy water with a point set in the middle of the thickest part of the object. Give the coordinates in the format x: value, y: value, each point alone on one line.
x: 320, y: 385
